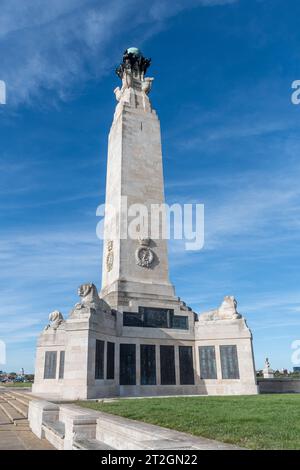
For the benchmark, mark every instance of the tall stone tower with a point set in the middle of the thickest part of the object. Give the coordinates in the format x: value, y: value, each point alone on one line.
x: 139, y: 265
x: 136, y: 337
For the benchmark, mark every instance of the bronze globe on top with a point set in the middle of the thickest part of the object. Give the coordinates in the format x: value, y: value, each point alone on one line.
x: 133, y: 61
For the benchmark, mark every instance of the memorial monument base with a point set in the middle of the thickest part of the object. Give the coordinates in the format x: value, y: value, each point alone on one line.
x: 99, y: 352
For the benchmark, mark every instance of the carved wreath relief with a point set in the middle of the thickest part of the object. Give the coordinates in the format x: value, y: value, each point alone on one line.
x: 144, y: 255
x: 110, y: 255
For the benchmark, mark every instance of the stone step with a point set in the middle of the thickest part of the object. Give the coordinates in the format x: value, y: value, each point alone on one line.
x: 22, y: 398
x: 57, y: 427
x: 21, y: 394
x: 4, y: 419
x: 54, y: 433
x: 20, y: 407
x: 127, y: 428
x: 90, y: 444
x: 126, y: 434
x: 6, y: 395
x: 22, y: 424
x: 11, y: 412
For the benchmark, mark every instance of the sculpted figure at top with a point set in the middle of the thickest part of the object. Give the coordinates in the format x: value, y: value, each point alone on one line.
x: 132, y: 70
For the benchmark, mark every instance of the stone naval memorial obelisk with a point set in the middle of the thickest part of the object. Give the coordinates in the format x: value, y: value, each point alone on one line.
x: 136, y: 337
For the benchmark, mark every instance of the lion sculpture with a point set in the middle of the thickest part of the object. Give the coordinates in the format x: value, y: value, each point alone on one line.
x: 56, y: 319
x: 226, y: 311
x: 89, y: 297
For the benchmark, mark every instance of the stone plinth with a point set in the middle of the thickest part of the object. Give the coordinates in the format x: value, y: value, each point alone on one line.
x: 268, y: 373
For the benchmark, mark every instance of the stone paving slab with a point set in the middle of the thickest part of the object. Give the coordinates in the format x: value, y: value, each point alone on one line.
x: 4, y: 418
x: 13, y: 439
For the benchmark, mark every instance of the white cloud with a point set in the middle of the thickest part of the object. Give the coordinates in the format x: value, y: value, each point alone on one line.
x: 258, y: 213
x: 47, y: 255
x: 252, y: 209
x: 236, y: 130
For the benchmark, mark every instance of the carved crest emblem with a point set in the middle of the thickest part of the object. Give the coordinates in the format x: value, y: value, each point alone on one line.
x: 110, y: 255
x: 144, y: 255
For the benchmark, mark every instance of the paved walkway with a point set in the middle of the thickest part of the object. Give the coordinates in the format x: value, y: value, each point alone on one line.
x: 11, y: 438
x: 15, y: 433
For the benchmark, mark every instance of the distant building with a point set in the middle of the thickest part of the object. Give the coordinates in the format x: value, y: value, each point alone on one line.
x: 296, y: 369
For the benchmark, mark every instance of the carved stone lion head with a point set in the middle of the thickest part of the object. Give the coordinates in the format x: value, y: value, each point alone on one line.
x: 88, y: 294
x: 56, y: 319
x: 84, y: 290
x: 228, y: 308
x: 56, y: 316
x: 229, y: 301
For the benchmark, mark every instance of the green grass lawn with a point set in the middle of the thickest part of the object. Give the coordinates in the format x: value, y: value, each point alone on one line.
x: 17, y: 385
x: 254, y: 422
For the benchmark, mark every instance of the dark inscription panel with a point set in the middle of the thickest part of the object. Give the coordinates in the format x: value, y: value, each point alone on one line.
x: 132, y: 319
x: 127, y: 364
x: 180, y: 322
x: 99, y: 360
x: 167, y: 365
x: 148, y: 364
x: 110, y: 361
x: 229, y: 362
x: 155, y: 317
x: 208, y: 367
x: 149, y: 317
x: 61, y: 365
x: 50, y: 365
x: 186, y: 365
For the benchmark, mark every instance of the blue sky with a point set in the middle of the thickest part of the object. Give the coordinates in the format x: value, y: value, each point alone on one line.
x: 231, y: 140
